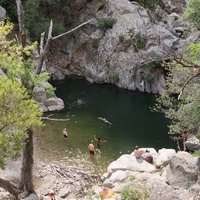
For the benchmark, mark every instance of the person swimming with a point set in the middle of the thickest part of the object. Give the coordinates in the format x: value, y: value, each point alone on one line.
x: 99, y: 141
x: 105, y: 120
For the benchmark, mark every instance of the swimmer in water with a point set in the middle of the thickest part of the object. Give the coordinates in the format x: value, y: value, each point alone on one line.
x: 104, y: 120
x: 65, y: 134
x: 99, y: 141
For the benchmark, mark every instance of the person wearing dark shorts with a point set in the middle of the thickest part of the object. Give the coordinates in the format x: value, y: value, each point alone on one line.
x: 91, y: 148
x: 65, y: 134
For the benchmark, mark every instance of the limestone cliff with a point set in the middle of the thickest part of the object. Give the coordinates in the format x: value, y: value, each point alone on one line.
x: 120, y: 55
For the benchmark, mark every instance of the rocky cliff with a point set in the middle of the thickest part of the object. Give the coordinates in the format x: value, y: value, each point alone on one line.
x: 124, y: 54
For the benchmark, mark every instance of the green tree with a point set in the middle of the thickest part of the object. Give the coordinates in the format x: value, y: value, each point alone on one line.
x: 181, y: 101
x: 19, y: 114
x: 192, y: 13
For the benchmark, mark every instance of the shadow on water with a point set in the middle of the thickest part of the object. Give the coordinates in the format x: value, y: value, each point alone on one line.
x: 129, y: 112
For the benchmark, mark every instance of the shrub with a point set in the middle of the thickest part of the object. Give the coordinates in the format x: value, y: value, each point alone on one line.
x: 153, y: 65
x: 135, y: 192
x: 108, y: 63
x: 95, y: 43
x: 147, y: 79
x: 114, y: 77
x: 140, y: 43
x: 106, y: 23
x: 68, y: 20
x: 196, y: 153
x: 121, y: 38
x: 89, y: 74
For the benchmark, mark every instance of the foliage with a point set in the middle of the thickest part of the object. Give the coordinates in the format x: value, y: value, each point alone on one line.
x: 106, y: 23
x: 121, y: 38
x: 192, y: 13
x: 114, y: 77
x: 153, y: 65
x: 140, y: 43
x: 90, y: 194
x: 108, y: 63
x: 184, y: 114
x: 135, y: 192
x: 196, y: 153
x: 40, y: 11
x: 193, y: 52
x: 18, y: 111
x: 132, y: 178
x: 95, y: 43
x: 187, y: 184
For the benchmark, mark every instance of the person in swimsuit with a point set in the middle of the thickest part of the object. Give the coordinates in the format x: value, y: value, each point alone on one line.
x: 65, y: 134
x: 137, y: 153
x: 99, y: 141
x: 91, y: 148
x: 104, y: 120
x: 51, y: 194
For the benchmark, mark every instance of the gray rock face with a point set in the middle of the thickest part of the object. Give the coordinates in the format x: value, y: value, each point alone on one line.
x: 2, y: 13
x: 182, y: 170
x: 119, y: 55
x: 47, y: 104
x: 166, y: 192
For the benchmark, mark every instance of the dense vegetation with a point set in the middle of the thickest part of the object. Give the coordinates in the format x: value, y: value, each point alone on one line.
x: 181, y: 100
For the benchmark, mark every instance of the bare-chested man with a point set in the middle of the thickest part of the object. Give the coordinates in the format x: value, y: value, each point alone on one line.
x: 137, y: 152
x: 91, y: 148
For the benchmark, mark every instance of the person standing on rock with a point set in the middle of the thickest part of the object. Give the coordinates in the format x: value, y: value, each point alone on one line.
x: 91, y: 148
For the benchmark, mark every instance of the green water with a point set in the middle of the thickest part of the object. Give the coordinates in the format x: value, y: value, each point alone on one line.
x: 129, y: 112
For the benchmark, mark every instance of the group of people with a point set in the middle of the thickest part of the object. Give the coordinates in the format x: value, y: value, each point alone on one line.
x: 137, y: 153
x: 146, y: 156
x: 91, y: 146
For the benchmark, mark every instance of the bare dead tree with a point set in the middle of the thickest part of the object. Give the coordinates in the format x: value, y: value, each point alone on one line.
x: 44, y: 48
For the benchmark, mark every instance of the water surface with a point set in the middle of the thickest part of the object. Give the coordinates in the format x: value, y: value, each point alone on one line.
x: 129, y: 112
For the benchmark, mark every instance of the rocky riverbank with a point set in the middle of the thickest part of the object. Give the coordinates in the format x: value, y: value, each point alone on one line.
x: 174, y: 175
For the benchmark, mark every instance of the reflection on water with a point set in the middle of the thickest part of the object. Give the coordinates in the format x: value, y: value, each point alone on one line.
x: 132, y: 123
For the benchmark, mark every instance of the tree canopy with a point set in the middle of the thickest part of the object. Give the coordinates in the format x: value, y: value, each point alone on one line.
x: 181, y: 100
x: 192, y: 13
x: 18, y: 112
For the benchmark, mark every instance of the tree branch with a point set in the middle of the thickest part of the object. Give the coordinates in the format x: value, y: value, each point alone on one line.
x: 10, y: 187
x: 44, y: 50
x: 53, y: 119
x: 56, y: 37
x: 188, y: 80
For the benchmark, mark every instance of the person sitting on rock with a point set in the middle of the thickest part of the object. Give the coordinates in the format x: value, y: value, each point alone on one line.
x: 51, y: 194
x: 148, y: 157
x: 137, y: 153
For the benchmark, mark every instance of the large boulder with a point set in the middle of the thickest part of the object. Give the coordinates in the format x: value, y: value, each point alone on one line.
x: 55, y: 104
x: 192, y: 143
x: 2, y: 13
x: 164, y: 157
x: 129, y: 162
x: 167, y: 192
x: 182, y: 170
